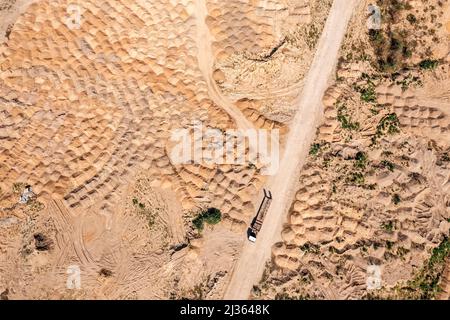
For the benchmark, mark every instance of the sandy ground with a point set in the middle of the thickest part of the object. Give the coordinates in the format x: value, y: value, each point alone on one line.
x: 9, y: 12
x: 374, y: 189
x: 86, y: 116
x: 89, y: 121
x: 206, y: 63
x: 271, y: 81
x: 251, y: 264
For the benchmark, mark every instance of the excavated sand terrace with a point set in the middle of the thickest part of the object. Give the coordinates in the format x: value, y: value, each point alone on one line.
x: 87, y: 110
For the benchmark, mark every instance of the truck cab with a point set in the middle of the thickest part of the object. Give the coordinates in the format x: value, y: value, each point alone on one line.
x: 251, y: 236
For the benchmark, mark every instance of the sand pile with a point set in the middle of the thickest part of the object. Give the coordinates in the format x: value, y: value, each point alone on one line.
x: 264, y: 49
x: 374, y: 192
x: 87, y: 107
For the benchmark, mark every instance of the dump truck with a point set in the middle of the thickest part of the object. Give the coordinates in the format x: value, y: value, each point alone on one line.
x: 257, y: 222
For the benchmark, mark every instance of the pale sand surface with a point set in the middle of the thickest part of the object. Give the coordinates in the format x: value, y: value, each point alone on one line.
x: 367, y: 196
x: 86, y: 118
x: 251, y: 263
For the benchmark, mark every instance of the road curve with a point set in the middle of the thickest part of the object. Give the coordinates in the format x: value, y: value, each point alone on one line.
x: 206, y: 64
x: 249, y: 268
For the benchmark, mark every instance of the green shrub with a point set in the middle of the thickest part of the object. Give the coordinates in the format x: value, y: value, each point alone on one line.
x: 198, y: 223
x: 345, y: 120
x: 146, y: 212
x: 428, y: 64
x: 389, y: 124
x: 411, y: 18
x: 346, y: 123
x: 368, y: 94
x: 391, y: 49
x: 388, y: 226
x: 376, y: 36
x: 310, y: 247
x: 210, y: 216
x: 356, y: 178
x: 389, y: 244
x: 387, y: 164
x: 396, y: 199
x: 440, y: 253
x: 315, y: 148
x: 426, y: 283
x: 445, y: 157
x: 361, y: 160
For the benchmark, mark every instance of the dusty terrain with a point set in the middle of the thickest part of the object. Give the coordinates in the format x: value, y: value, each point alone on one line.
x: 375, y: 188
x: 91, y: 91
x: 87, y: 109
x: 252, y: 260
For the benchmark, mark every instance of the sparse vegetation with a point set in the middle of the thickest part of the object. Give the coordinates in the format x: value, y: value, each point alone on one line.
x: 310, y: 248
x: 387, y: 165
x: 389, y: 245
x: 388, y: 226
x: 42, y: 242
x: 361, y: 160
x: 445, y: 157
x: 406, y: 81
x: 346, y: 120
x: 368, y: 94
x: 428, y: 64
x: 375, y: 107
x: 315, y: 148
x: 389, y: 124
x: 393, y: 44
x: 401, y: 252
x: 286, y: 296
x: 396, y: 199
x: 312, y: 34
x: 371, y: 186
x: 425, y: 284
x: 391, y: 49
x: 35, y: 206
x: 105, y: 272
x: 356, y: 178
x: 18, y: 187
x: 146, y: 212
x: 411, y: 18
x: 251, y: 165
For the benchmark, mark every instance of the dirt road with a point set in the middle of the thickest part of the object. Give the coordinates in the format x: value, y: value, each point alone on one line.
x: 206, y: 64
x: 250, y: 267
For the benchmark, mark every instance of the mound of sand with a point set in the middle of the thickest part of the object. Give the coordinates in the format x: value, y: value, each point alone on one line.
x: 375, y: 189
x: 88, y: 108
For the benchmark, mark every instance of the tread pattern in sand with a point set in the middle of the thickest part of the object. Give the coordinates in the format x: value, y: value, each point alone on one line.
x: 251, y: 26
x: 336, y: 229
x: 84, y: 109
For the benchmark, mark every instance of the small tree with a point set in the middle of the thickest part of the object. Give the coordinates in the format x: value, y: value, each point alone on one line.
x: 315, y: 148
x: 428, y: 64
x: 210, y: 216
